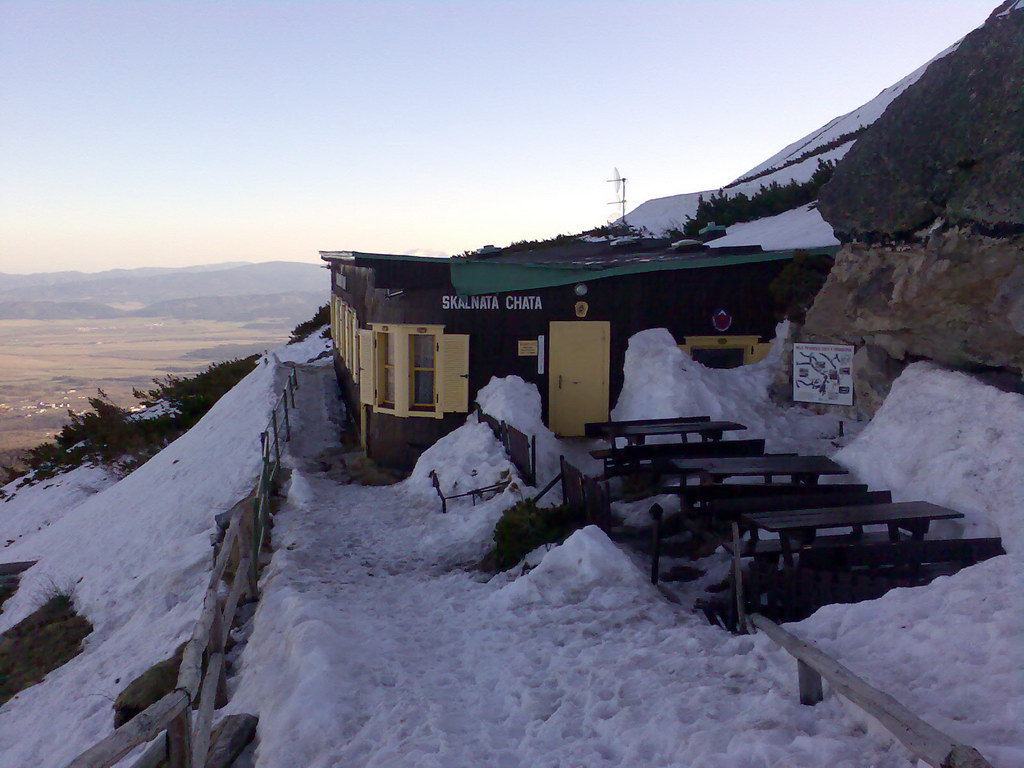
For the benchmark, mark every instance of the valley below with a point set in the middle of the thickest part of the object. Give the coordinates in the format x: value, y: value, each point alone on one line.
x: 48, y: 367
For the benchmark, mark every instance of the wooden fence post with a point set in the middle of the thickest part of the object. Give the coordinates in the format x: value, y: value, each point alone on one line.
x: 737, y: 574
x: 287, y: 422
x: 179, y: 740
x: 656, y: 513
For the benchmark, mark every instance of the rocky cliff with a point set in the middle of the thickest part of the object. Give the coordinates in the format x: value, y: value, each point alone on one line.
x: 950, y: 147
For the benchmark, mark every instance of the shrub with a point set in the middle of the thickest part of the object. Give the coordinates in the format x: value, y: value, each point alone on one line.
x: 769, y: 200
x: 302, y: 331
x: 113, y: 436
x: 794, y: 288
x: 525, y: 526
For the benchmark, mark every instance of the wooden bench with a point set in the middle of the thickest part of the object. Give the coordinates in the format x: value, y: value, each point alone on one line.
x: 632, y: 459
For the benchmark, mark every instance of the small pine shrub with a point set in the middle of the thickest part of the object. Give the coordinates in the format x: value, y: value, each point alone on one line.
x: 525, y: 526
x: 794, y: 288
x: 115, y: 437
x: 302, y: 331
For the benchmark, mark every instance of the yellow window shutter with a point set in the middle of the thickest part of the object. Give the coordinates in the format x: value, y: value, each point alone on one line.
x: 453, y: 373
x: 366, y: 357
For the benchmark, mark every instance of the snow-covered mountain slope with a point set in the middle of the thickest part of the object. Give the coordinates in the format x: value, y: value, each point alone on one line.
x: 136, y: 554
x: 663, y: 213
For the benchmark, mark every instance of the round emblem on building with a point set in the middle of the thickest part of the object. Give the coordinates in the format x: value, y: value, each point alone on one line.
x: 722, y: 321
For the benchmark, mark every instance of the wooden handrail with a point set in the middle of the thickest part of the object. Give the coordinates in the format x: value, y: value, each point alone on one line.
x: 924, y: 741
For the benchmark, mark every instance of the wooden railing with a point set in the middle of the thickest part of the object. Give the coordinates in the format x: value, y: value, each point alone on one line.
x: 925, y: 742
x: 179, y: 724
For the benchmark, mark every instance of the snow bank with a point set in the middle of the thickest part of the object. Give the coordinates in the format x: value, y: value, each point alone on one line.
x: 31, y: 508
x: 951, y: 652
x: 586, y: 567
x: 662, y: 381
x: 517, y: 402
x: 470, y: 457
x: 138, y: 554
x: 800, y: 227
x: 947, y: 438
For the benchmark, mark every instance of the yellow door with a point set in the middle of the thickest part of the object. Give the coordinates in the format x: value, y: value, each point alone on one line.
x: 577, y: 375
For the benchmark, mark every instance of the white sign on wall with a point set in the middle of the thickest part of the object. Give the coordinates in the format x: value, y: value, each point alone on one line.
x: 823, y: 373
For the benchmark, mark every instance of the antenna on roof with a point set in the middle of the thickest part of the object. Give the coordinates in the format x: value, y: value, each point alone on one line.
x: 620, y: 193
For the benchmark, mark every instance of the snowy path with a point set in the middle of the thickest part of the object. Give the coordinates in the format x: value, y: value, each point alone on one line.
x: 375, y: 646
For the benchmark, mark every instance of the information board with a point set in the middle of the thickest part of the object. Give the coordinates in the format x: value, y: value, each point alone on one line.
x: 823, y: 373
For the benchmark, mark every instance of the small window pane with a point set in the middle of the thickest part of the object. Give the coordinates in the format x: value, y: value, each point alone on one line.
x: 422, y: 351
x: 423, y: 388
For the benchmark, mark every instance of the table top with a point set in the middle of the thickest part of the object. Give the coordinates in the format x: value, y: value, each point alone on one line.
x: 672, y: 428
x: 729, y: 466
x: 604, y: 427
x: 849, y: 515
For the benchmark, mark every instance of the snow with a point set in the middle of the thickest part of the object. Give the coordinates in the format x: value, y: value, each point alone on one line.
x: 945, y: 437
x: 800, y: 227
x: 30, y: 508
x: 673, y: 211
x: 377, y: 642
x: 517, y: 402
x: 1015, y: 7
x: 374, y: 646
x: 863, y: 115
x: 662, y: 381
x: 137, y: 554
x: 586, y: 567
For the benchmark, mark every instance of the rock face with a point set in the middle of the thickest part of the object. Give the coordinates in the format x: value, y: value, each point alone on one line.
x: 957, y: 299
x: 950, y: 147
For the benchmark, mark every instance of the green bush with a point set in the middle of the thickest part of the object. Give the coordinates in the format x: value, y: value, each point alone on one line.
x: 302, y: 331
x: 110, y: 435
x: 794, y: 288
x: 525, y: 526
x: 769, y: 200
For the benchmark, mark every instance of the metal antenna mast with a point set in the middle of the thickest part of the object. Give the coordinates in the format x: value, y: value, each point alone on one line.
x: 620, y: 193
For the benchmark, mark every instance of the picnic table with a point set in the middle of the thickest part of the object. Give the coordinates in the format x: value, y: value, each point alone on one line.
x: 800, y: 526
x: 801, y: 469
x: 637, y: 433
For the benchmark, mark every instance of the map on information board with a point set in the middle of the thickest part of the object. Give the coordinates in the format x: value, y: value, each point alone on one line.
x: 823, y: 373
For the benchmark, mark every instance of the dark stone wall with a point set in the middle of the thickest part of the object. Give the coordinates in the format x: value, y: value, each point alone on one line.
x: 951, y: 147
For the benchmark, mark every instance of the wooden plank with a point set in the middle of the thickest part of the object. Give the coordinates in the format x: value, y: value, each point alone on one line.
x: 840, y: 517
x: 761, y: 465
x: 190, y: 672
x: 924, y: 741
x: 144, y: 727
x: 708, y: 494
x: 810, y: 684
x: 602, y: 428
x: 179, y: 738
x: 203, y: 722
x: 737, y: 575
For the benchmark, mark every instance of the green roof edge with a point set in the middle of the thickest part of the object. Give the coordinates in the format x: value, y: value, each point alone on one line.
x: 476, y: 277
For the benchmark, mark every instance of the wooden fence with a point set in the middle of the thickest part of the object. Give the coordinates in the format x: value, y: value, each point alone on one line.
x: 925, y: 742
x: 179, y: 724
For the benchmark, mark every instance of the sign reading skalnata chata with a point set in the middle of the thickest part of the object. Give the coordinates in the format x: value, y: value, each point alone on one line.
x: 490, y: 301
x: 823, y: 373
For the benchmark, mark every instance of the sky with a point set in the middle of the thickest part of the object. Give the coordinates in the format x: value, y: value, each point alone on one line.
x: 178, y: 133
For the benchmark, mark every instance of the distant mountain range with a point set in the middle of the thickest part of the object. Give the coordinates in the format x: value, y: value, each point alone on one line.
x: 230, y: 291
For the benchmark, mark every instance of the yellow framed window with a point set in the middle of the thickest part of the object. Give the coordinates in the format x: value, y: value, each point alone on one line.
x: 421, y: 370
